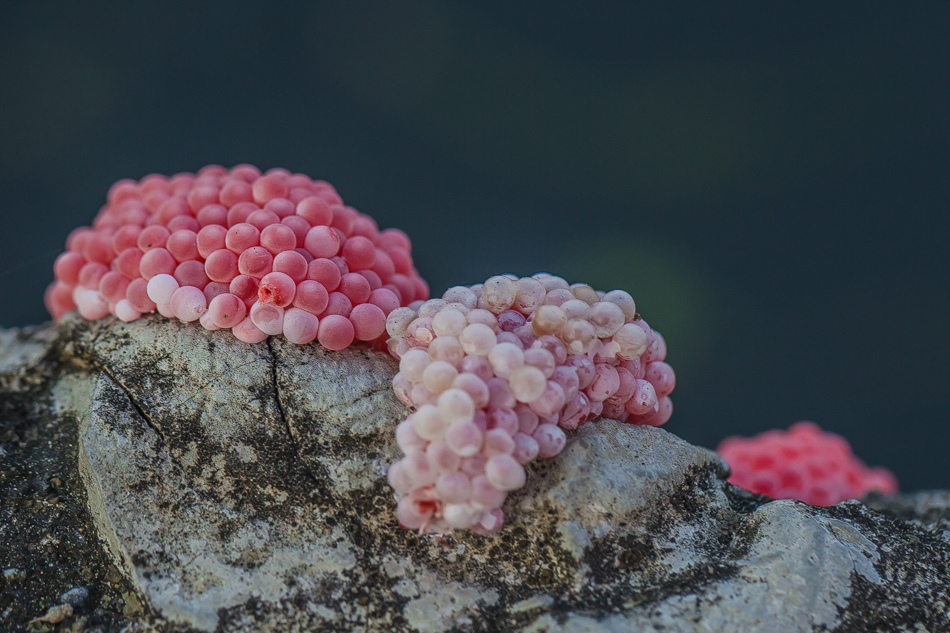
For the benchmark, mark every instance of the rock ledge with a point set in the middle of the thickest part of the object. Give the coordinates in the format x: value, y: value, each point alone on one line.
x: 160, y: 477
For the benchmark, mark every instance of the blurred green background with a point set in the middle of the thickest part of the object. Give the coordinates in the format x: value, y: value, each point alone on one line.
x: 769, y: 180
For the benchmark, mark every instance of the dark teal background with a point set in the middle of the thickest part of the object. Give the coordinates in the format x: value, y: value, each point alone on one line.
x: 769, y: 180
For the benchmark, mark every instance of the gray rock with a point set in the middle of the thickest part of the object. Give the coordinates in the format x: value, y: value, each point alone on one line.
x: 76, y: 597
x: 242, y: 488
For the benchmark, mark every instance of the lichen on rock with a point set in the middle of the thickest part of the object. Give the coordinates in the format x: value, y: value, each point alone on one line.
x: 239, y: 487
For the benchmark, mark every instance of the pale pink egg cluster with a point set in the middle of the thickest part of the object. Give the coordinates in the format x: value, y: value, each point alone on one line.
x: 496, y: 373
x: 803, y: 463
x: 259, y: 254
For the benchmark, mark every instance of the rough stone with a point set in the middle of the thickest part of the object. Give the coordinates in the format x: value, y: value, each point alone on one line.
x: 209, y: 485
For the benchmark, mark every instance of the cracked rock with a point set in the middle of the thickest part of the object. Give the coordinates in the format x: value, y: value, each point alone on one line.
x: 234, y: 487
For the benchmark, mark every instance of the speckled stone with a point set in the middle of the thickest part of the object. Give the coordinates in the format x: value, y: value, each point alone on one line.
x: 242, y: 488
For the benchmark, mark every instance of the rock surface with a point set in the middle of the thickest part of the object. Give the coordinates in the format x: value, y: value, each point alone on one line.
x: 155, y: 476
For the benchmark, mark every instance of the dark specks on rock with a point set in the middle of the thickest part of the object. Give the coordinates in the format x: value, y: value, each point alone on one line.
x: 207, y: 485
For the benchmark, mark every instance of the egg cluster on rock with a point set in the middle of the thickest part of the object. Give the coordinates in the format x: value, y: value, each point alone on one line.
x: 803, y: 463
x: 260, y: 254
x: 496, y: 373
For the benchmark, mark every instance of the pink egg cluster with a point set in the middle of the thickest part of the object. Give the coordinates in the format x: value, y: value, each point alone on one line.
x: 496, y: 373
x: 803, y: 463
x: 259, y: 254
